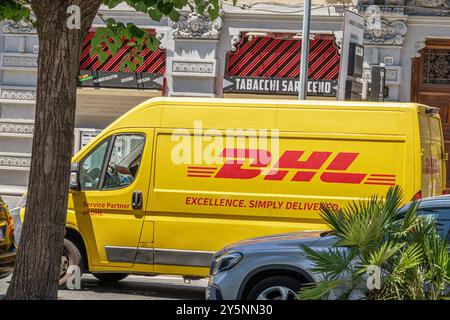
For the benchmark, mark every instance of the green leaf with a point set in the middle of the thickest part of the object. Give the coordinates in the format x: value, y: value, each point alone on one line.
x: 155, y: 14
x: 135, y: 31
x: 174, y: 15
x: 102, y: 56
x: 213, y: 12
x: 141, y: 6
x: 112, y: 3
x: 140, y: 60
x: 110, y: 22
x: 165, y: 7
x: 132, y: 66
x: 179, y: 4
x: 128, y: 63
x: 150, y: 3
x: 152, y: 43
x: 201, y: 8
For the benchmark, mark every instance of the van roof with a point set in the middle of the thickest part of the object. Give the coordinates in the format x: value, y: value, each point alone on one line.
x: 389, y: 120
x: 273, y: 103
x: 183, y: 112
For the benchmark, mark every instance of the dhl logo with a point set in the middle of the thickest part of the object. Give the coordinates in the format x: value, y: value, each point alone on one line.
x: 305, y: 170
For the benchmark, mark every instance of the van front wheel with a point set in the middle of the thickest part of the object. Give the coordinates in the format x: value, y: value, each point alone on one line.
x: 110, y: 277
x: 71, y: 258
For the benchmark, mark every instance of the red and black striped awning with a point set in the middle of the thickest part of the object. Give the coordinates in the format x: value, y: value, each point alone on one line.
x: 154, y: 61
x: 149, y: 75
x: 280, y: 58
x: 271, y: 65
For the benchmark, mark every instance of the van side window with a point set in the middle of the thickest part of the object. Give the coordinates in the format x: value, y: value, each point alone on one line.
x: 124, y: 162
x: 91, y: 167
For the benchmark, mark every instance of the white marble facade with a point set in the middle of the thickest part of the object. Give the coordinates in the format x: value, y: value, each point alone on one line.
x: 196, y: 48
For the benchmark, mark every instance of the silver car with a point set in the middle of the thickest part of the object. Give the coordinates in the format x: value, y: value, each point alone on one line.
x: 274, y: 267
x: 269, y: 268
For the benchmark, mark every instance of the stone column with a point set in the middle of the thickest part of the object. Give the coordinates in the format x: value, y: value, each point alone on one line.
x: 192, y: 63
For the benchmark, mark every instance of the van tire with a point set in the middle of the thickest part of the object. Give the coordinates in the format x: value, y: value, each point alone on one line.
x: 110, y: 277
x: 272, y: 284
x: 71, y: 257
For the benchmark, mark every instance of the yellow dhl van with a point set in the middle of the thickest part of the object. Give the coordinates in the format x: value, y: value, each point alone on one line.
x: 175, y: 179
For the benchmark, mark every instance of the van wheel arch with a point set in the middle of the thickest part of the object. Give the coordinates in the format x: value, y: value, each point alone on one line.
x: 75, y: 236
x: 265, y: 272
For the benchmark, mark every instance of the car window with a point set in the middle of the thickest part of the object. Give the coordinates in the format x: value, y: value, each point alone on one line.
x: 442, y: 217
x: 124, y: 161
x: 91, y: 167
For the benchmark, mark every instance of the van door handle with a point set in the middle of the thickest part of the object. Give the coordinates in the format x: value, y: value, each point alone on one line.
x: 136, y: 200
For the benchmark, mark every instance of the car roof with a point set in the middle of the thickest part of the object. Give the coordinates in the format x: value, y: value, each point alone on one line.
x: 432, y: 202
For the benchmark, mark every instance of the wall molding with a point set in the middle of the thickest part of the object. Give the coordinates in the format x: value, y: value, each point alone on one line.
x: 15, y: 160
x: 19, y: 60
x: 18, y: 94
x: 16, y: 127
x: 194, y: 67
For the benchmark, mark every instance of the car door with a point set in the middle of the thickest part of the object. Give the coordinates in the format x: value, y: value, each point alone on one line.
x: 111, y: 205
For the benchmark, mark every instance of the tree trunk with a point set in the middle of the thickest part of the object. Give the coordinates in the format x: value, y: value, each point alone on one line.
x: 36, y: 272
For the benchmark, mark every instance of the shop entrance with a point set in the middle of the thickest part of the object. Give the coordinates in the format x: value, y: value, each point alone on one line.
x: 430, y: 83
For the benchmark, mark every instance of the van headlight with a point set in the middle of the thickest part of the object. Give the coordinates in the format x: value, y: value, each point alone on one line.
x: 226, y: 261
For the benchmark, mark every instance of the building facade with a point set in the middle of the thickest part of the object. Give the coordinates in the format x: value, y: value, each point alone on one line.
x: 252, y: 50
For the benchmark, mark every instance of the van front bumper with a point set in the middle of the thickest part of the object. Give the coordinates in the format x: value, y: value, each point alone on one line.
x: 7, y: 261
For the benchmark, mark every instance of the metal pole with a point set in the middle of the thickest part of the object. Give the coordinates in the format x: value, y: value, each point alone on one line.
x: 305, y: 51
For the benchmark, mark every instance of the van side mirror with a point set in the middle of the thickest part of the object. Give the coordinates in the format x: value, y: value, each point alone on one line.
x: 75, y: 177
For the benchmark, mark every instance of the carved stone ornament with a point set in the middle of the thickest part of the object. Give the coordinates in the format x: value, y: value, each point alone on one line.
x: 162, y: 41
x: 367, y: 73
x: 235, y: 39
x: 388, y: 33
x: 19, y: 27
x: 443, y: 4
x: 196, y: 26
x: 338, y: 40
x: 418, y: 46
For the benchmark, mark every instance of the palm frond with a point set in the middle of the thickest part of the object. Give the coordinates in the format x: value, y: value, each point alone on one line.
x: 410, y: 258
x: 319, y: 290
x: 402, y: 227
x: 413, y: 257
x: 331, y: 261
x: 384, y: 253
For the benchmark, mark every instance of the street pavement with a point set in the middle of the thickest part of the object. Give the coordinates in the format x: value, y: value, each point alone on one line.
x: 131, y: 288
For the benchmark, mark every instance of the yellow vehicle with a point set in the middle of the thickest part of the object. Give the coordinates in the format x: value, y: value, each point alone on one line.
x: 175, y: 179
x: 7, y: 243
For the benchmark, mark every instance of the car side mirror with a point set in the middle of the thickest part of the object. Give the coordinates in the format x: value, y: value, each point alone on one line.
x: 75, y: 177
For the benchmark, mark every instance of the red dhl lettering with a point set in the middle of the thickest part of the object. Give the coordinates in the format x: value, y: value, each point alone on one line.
x: 291, y: 160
